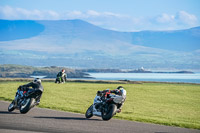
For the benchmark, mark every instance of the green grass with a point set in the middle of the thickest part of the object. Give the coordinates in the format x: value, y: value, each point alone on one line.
x: 167, y: 104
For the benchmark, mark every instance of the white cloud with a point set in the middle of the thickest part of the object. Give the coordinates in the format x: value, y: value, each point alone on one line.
x: 180, y: 20
x: 181, y: 17
x: 108, y: 20
x: 114, y: 14
x: 76, y: 13
x: 165, y: 18
x: 186, y: 18
x: 93, y: 13
x: 73, y: 15
x: 8, y: 12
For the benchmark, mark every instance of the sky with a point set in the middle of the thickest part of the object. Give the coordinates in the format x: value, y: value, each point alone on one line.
x: 119, y: 15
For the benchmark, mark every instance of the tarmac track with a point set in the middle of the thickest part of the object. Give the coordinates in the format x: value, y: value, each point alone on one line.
x: 45, y: 120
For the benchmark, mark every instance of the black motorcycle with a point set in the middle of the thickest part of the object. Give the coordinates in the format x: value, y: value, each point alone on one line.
x: 24, y: 100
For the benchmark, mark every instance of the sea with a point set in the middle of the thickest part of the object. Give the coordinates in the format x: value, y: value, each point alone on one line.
x: 159, y: 77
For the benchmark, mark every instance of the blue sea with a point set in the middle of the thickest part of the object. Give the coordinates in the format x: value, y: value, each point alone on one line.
x: 161, y: 77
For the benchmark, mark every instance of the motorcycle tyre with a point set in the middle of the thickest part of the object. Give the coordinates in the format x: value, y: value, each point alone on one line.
x: 27, y: 107
x: 89, y: 109
x: 10, y: 109
x: 111, y: 113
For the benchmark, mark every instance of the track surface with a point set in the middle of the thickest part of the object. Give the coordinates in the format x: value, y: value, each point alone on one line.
x: 46, y: 120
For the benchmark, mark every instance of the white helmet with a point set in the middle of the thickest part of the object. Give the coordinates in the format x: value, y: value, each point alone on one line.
x: 37, y: 80
x: 123, y: 92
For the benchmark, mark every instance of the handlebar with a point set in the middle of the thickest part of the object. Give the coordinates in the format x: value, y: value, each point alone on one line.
x: 23, y: 88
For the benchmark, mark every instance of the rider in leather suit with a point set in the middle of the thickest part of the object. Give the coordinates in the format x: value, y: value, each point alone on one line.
x: 120, y: 91
x: 36, y: 85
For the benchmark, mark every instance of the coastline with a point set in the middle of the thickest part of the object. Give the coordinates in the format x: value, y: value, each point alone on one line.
x: 92, y: 81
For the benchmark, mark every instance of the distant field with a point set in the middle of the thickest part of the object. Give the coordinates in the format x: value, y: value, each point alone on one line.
x: 167, y: 104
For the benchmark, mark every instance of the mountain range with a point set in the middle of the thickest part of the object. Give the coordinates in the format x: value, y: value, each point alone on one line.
x: 79, y: 44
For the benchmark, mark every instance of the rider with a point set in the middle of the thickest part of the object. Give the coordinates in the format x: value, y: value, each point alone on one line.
x: 119, y: 91
x: 36, y: 85
x: 62, y: 75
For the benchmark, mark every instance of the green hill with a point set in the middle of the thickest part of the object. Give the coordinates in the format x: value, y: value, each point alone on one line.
x: 19, y: 71
x: 76, y: 43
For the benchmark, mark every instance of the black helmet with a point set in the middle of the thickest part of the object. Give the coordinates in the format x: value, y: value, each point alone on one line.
x: 119, y: 87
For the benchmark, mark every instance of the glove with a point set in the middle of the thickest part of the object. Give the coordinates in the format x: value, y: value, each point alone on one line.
x: 23, y: 88
x: 20, y: 87
x: 99, y: 93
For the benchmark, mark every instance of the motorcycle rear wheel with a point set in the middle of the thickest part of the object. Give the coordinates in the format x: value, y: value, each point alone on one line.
x: 112, y: 108
x: 89, y: 112
x: 27, y: 106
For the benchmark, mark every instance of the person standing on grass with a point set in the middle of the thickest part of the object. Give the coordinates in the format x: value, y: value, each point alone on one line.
x: 61, y: 76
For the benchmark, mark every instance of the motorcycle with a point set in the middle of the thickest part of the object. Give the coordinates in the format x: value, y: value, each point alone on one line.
x: 105, y: 107
x: 24, y: 100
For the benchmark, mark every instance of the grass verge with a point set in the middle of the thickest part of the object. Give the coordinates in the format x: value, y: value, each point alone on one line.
x: 159, y: 103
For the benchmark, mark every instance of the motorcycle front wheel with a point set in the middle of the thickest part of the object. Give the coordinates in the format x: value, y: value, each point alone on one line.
x: 11, y: 107
x: 26, y: 105
x: 112, y: 108
x: 89, y: 112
